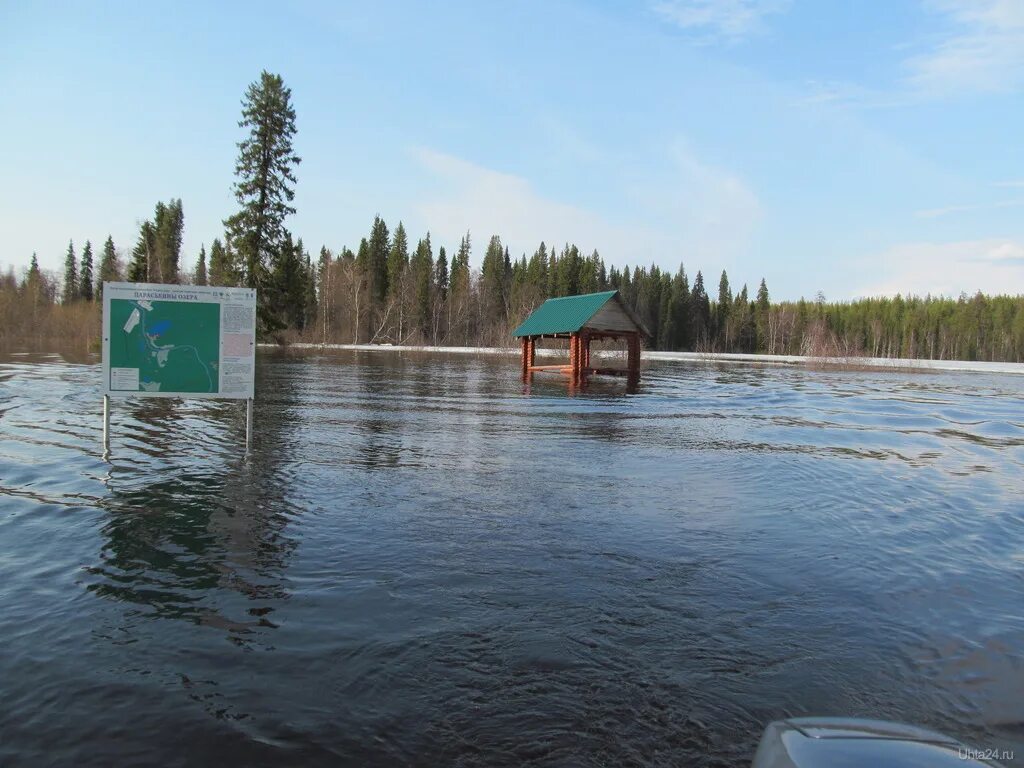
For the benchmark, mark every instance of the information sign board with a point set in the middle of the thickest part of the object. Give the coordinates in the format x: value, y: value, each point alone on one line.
x: 178, y: 340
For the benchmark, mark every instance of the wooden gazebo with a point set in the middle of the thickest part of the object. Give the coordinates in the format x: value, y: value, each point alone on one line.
x: 581, y: 320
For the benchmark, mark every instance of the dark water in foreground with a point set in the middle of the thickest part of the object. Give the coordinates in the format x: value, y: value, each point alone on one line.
x: 423, y: 565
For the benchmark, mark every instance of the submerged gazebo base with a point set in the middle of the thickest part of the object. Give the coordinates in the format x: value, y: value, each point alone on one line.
x: 579, y: 365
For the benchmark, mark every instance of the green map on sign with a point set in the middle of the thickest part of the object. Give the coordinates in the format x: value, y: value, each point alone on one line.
x: 173, y: 345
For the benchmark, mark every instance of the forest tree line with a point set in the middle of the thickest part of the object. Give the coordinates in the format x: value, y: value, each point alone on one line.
x: 390, y: 290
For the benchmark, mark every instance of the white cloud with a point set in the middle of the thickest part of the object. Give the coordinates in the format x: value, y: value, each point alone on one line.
x: 689, y: 211
x: 992, y: 266
x: 983, y: 51
x: 839, y: 94
x: 934, y: 213
x: 731, y: 20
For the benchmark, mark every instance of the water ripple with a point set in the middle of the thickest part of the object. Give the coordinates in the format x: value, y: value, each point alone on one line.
x: 425, y: 561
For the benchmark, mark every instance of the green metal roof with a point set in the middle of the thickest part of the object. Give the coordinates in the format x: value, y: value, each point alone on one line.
x: 565, y: 315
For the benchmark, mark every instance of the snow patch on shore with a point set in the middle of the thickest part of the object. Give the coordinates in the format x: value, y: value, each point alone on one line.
x: 965, y: 366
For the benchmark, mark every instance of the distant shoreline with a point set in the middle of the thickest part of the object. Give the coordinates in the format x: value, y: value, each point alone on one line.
x: 838, y: 363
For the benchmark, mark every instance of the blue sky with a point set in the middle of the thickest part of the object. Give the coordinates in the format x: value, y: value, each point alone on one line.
x: 851, y: 148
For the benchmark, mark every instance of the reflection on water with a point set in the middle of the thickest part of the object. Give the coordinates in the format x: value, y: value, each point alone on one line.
x: 426, y: 560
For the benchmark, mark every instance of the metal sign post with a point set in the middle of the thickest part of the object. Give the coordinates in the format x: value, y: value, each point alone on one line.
x: 193, y: 341
x: 248, y: 424
x: 106, y: 425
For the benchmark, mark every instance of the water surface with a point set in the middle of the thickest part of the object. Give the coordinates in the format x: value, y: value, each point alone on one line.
x: 425, y: 563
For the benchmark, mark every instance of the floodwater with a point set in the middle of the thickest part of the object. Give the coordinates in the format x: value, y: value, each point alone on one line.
x: 424, y: 563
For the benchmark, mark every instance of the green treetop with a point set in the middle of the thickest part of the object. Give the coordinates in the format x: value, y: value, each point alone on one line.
x: 85, y: 273
x: 139, y: 267
x: 109, y: 269
x: 398, y: 258
x: 201, y: 266
x: 441, y: 274
x: 222, y: 268
x: 70, y: 276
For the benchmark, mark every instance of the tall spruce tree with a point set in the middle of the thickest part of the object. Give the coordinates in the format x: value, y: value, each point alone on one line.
x: 109, y: 269
x: 288, y: 285
x: 723, y: 309
x: 681, y: 310
x: 460, y: 265
x: 168, y: 232
x: 70, y: 293
x: 423, y: 275
x: 762, y: 308
x: 441, y: 274
x: 221, y: 270
x: 85, y: 275
x: 398, y: 258
x: 379, y: 245
x: 700, y: 313
x: 142, y: 254
x: 493, y: 282
x: 200, y: 277
x: 265, y: 184
x: 763, y: 301
x: 36, y: 286
x: 33, y: 268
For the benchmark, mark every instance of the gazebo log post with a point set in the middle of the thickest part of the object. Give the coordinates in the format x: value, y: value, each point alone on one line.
x: 633, y: 355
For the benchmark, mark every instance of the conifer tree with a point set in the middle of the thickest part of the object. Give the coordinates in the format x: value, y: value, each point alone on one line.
x: 324, y: 292
x: 700, y: 312
x: 459, y: 290
x: 70, y: 276
x: 85, y: 276
x: 142, y: 254
x: 666, y: 325
x: 423, y: 274
x: 310, y: 300
x: 109, y: 270
x: 35, y: 285
x: 460, y: 265
x: 221, y: 269
x: 762, y: 307
x: 363, y: 257
x: 326, y: 259
x: 379, y: 245
x: 588, y: 281
x: 398, y: 258
x: 763, y: 302
x: 441, y: 274
x: 265, y: 183
x: 168, y: 230
x: 33, y: 268
x: 287, y: 302
x: 723, y: 309
x: 201, y: 266
x: 682, y: 338
x: 493, y: 279
x: 537, y: 273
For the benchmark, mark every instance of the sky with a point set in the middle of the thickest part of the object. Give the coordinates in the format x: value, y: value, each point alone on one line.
x: 855, y: 149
